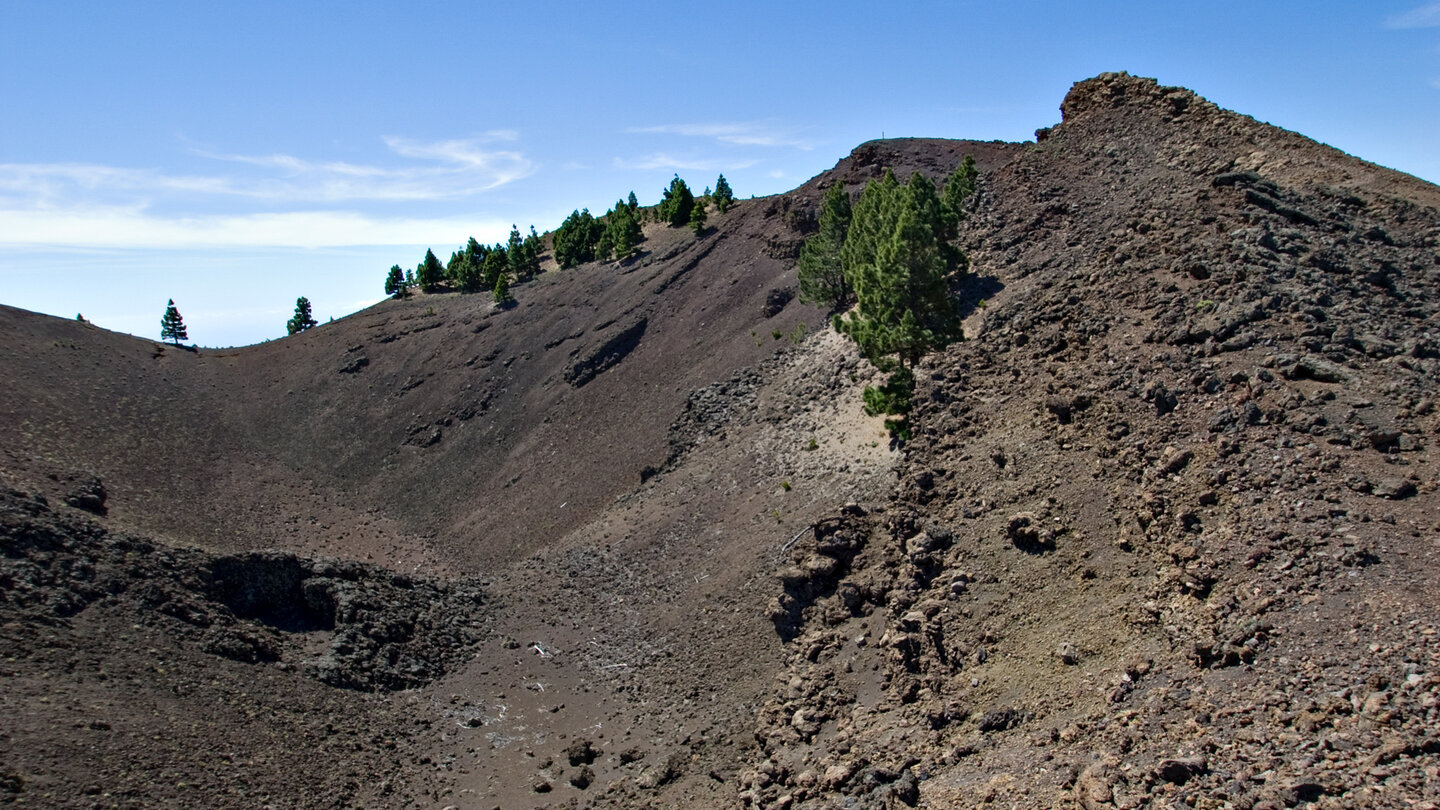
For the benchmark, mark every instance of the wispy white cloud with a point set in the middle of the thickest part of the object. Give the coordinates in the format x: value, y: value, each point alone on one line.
x: 122, y: 227
x: 662, y: 160
x: 1426, y: 16
x: 439, y: 170
x: 748, y: 133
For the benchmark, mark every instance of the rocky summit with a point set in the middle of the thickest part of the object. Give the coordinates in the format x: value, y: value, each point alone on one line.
x: 1165, y: 532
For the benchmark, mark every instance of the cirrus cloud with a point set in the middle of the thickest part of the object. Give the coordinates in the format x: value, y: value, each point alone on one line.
x: 746, y: 133
x: 1426, y: 16
x: 439, y: 170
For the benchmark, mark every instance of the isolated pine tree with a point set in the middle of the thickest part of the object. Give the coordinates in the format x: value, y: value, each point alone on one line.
x: 172, y: 326
x: 632, y: 202
x: 302, y: 319
x: 821, y: 273
x: 723, y: 196
x: 395, y: 282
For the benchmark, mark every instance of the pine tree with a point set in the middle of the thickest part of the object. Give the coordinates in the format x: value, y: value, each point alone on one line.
x: 396, y: 283
x: 623, y: 230
x: 724, y: 197
x: 676, y: 204
x: 172, y: 326
x: 515, y: 255
x: 303, y: 319
x: 532, y: 247
x: 466, y: 267
x: 632, y: 202
x: 475, y: 252
x: 576, y: 238
x: 959, y: 187
x: 503, y: 298
x: 900, y: 266
x: 866, y: 220
x: 697, y: 217
x: 821, y: 273
x: 496, y: 265
x: 429, y: 273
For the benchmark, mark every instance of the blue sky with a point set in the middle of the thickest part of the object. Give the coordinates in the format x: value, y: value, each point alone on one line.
x: 235, y: 156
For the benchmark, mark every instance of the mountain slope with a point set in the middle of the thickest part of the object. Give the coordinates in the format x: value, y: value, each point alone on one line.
x: 1166, y: 532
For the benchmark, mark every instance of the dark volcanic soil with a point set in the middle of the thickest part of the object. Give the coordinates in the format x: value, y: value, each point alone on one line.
x: 1166, y: 535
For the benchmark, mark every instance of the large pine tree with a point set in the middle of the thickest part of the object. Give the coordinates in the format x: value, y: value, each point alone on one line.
x: 900, y: 264
x: 822, y: 276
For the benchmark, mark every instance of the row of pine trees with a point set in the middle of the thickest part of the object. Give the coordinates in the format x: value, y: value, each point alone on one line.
x: 581, y: 238
x: 476, y: 267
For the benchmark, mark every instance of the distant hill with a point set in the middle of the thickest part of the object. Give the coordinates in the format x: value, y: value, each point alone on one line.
x: 1166, y: 532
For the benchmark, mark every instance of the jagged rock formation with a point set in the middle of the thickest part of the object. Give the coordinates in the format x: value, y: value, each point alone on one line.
x: 1167, y: 533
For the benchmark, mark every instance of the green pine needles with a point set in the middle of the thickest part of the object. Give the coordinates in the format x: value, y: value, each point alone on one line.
x: 723, y: 196
x: 676, y: 204
x: 172, y: 326
x: 303, y: 319
x: 896, y: 256
x: 822, y: 276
